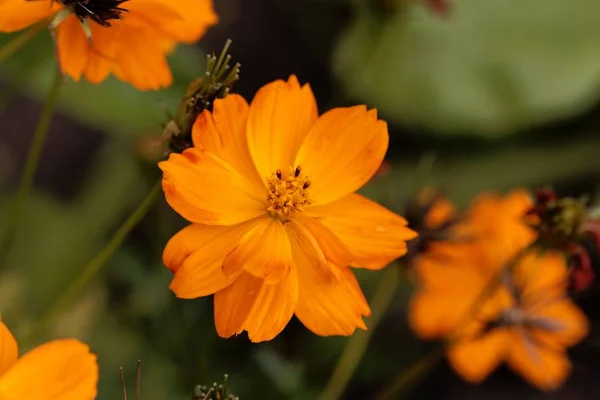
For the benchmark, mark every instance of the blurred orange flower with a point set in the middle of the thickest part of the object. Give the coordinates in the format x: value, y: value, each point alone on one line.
x: 528, y: 322
x: 452, y: 274
x: 129, y: 39
x: 61, y: 369
x: 269, y: 189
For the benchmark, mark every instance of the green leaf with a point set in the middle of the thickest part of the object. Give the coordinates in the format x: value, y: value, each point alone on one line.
x: 490, y: 68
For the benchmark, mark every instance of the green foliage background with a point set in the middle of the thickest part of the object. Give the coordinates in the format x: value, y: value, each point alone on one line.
x: 498, y: 93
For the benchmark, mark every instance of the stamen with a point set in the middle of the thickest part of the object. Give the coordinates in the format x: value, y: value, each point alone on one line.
x: 287, y: 193
x: 99, y: 11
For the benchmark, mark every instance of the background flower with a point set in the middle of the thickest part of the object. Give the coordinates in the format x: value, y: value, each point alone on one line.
x: 133, y: 48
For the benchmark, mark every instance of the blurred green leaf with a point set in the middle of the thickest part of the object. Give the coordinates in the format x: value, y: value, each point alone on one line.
x: 490, y: 68
x: 113, y: 106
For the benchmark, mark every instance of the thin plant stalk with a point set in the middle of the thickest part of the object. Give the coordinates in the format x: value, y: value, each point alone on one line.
x: 95, y: 265
x: 31, y: 164
x: 358, y: 343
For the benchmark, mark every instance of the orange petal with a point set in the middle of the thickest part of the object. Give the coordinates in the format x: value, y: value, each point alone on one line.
x: 9, y: 350
x: 62, y: 369
x: 195, y: 254
x: 374, y: 235
x: 447, y: 296
x: 542, y: 277
x: 102, y: 52
x: 301, y: 235
x: 327, y: 306
x: 264, y: 252
x: 332, y: 247
x: 342, y: 151
x: 205, y: 189
x: 18, y: 14
x: 474, y: 359
x: 140, y: 58
x: 223, y: 132
x: 543, y: 367
x: 568, y: 324
x: 251, y: 305
x: 273, y: 309
x: 280, y: 116
x: 441, y: 211
x: 72, y: 47
x: 182, y: 20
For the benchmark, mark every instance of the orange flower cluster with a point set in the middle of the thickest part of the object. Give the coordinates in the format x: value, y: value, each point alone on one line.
x: 497, y: 297
x: 61, y: 369
x: 269, y: 189
x: 129, y: 39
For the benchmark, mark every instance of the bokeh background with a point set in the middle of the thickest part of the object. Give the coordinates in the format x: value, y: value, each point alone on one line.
x: 492, y: 95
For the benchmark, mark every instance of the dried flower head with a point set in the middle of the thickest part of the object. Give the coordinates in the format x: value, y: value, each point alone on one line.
x: 565, y: 224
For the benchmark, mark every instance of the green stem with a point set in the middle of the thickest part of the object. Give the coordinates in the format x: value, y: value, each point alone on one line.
x: 21, y: 40
x: 92, y: 268
x: 411, y: 375
x: 357, y: 345
x: 31, y: 164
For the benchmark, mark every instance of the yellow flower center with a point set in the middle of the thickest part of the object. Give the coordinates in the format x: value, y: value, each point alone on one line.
x: 288, y: 193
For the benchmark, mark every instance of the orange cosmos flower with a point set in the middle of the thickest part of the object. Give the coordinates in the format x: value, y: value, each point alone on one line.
x: 129, y: 38
x: 59, y: 370
x: 269, y: 189
x: 453, y: 274
x: 528, y: 323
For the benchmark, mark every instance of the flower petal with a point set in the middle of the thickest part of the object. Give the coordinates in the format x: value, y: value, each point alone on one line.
x: 273, y: 309
x: 182, y: 20
x: 195, y: 254
x: 205, y: 189
x: 327, y: 306
x: 543, y: 367
x: 448, y: 292
x: 567, y: 324
x: 19, y: 14
x: 320, y: 260
x: 102, y: 53
x: 264, y: 252
x: 475, y: 358
x: 223, y: 133
x: 281, y: 114
x: 333, y: 248
x: 72, y: 47
x: 141, y: 57
x: 62, y: 369
x: 249, y: 304
x: 342, y: 151
x: 542, y: 277
x: 374, y: 235
x: 9, y: 350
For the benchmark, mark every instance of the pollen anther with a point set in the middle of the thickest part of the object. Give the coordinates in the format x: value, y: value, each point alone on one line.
x: 287, y: 193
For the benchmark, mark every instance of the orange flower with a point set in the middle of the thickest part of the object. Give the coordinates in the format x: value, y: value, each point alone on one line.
x: 269, y: 189
x: 129, y: 39
x: 453, y: 274
x: 536, y: 322
x: 59, y: 370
